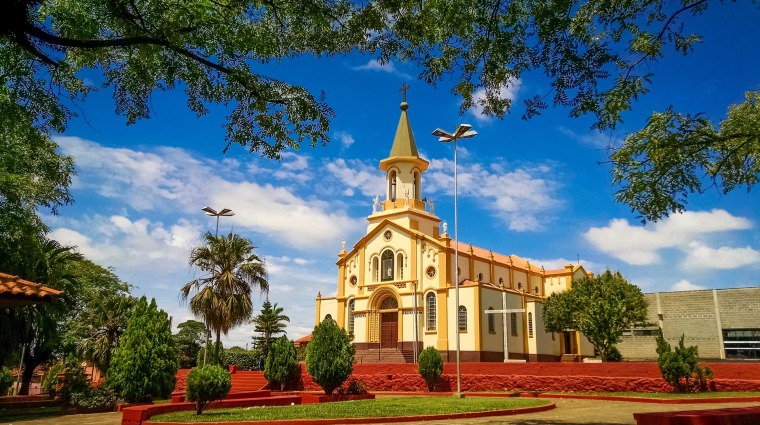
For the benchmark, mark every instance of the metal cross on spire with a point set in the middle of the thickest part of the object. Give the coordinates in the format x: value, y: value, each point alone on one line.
x: 403, y: 89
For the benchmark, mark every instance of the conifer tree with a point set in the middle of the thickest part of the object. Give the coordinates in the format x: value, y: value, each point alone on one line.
x: 145, y: 363
x: 269, y: 325
x: 281, y: 363
x: 330, y: 356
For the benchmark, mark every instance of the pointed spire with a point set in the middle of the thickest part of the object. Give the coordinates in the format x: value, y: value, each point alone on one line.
x: 403, y: 143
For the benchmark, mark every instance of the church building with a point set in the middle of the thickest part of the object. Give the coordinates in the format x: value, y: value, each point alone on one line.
x: 396, y: 285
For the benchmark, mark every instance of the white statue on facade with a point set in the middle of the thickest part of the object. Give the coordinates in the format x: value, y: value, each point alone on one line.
x: 432, y: 205
x: 445, y: 227
x: 376, y: 204
x: 343, y: 245
x: 407, y: 197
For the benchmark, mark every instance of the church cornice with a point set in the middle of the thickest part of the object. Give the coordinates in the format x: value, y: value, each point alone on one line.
x: 379, y: 228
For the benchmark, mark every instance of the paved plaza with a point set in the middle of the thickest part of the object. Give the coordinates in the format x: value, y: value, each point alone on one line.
x: 568, y: 412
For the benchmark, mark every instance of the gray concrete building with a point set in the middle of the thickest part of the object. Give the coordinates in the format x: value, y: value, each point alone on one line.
x: 723, y: 323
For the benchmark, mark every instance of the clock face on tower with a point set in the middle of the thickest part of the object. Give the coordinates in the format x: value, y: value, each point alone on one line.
x: 387, y: 235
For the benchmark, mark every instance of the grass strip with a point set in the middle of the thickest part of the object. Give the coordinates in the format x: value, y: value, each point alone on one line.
x: 378, y: 408
x: 669, y: 396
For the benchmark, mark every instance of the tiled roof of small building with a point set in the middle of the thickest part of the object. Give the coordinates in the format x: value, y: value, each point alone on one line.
x: 14, y: 286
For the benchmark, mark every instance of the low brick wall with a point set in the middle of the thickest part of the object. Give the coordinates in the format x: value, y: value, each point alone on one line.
x: 607, y: 377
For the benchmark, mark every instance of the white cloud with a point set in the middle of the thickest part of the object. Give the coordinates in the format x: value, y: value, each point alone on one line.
x: 524, y: 198
x: 559, y: 263
x: 138, y: 244
x: 344, y: 138
x: 685, y: 285
x: 508, y: 91
x: 389, y: 67
x: 359, y: 175
x: 703, y: 257
x: 594, y: 139
x: 171, y: 180
x: 639, y: 245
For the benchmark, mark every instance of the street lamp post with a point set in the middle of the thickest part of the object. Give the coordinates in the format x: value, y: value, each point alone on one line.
x: 225, y: 212
x: 461, y: 132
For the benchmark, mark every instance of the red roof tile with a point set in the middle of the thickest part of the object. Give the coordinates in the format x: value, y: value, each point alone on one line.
x: 15, y: 288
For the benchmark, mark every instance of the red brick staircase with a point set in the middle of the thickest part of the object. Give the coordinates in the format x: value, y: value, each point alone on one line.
x: 245, y: 380
x: 384, y: 355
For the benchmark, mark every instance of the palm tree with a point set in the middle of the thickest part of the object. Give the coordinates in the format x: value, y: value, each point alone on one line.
x: 223, y: 294
x: 269, y: 324
x: 101, y: 326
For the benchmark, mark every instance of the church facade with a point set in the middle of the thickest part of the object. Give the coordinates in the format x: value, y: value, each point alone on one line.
x: 396, y: 285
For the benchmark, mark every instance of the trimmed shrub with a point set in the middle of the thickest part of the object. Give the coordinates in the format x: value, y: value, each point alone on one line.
x: 207, y: 384
x: 6, y: 380
x: 352, y: 387
x: 430, y: 366
x: 95, y: 398
x: 614, y: 355
x: 244, y: 359
x: 680, y: 367
x: 145, y: 363
x: 281, y: 367
x: 330, y: 356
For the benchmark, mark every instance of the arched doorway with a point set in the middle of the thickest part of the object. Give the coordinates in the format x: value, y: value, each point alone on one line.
x: 388, y: 322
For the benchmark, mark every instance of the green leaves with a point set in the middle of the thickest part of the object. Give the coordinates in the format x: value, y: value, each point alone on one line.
x: 600, y: 308
x: 145, y: 363
x: 329, y: 356
x: 677, y: 155
x: 430, y: 366
x: 206, y: 384
x: 281, y: 364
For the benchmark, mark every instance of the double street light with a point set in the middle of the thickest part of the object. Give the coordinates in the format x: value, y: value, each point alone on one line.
x: 226, y: 212
x: 463, y: 131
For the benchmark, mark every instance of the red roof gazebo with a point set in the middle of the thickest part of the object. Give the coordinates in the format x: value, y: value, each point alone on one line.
x: 15, y: 291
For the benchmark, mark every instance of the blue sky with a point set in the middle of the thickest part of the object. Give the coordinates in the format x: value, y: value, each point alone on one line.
x: 538, y: 189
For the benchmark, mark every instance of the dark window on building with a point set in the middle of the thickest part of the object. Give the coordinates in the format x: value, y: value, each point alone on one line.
x: 741, y: 343
x: 351, y: 317
x: 491, y: 322
x: 513, y: 323
x: 530, y: 325
x: 462, y: 318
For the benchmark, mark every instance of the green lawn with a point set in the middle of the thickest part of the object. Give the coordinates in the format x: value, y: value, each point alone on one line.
x: 27, y: 414
x: 716, y: 394
x: 378, y: 408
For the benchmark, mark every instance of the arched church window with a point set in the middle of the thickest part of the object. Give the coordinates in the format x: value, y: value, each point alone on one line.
x: 328, y: 317
x: 491, y: 322
x: 519, y: 286
x: 386, y: 262
x: 501, y: 281
x: 462, y: 318
x: 351, y: 305
x: 400, y: 265
x: 376, y: 269
x: 513, y: 320
x: 393, y: 186
x: 480, y: 277
x: 416, y: 186
x: 389, y: 303
x: 535, y: 289
x: 430, y: 307
x: 530, y: 325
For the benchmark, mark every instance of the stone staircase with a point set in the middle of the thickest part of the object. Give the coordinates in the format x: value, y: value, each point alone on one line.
x: 567, y: 358
x: 244, y: 380
x: 384, y: 355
